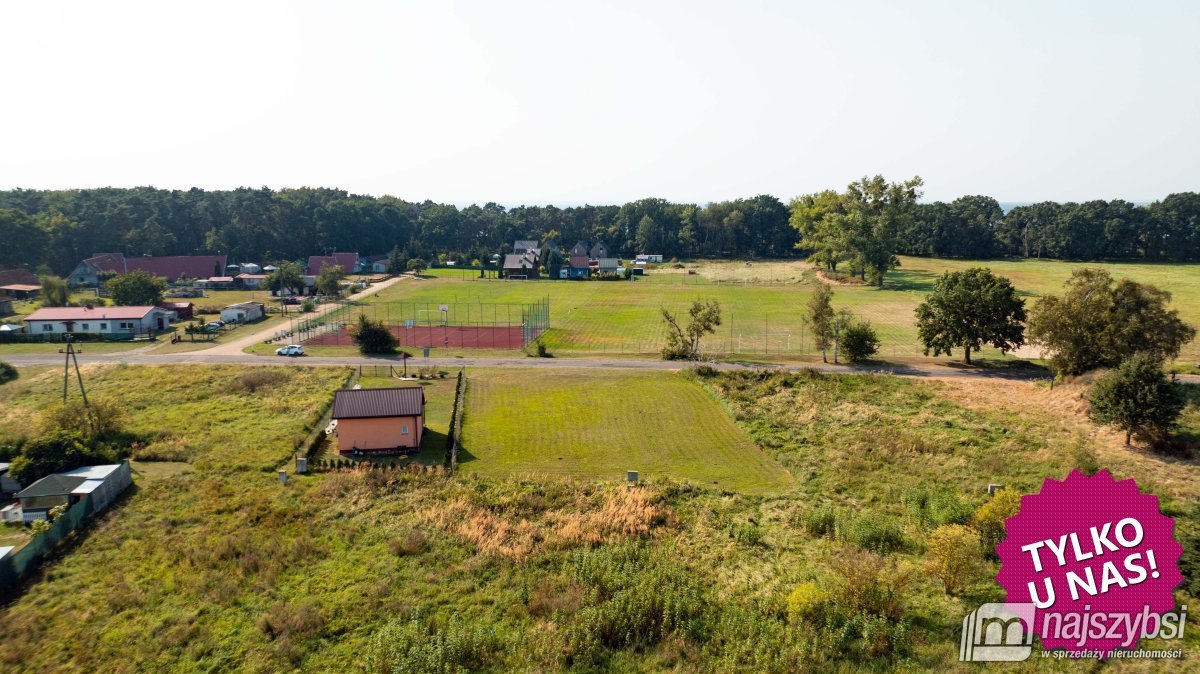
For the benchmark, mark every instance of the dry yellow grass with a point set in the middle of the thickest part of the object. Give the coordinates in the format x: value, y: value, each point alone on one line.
x: 618, y: 514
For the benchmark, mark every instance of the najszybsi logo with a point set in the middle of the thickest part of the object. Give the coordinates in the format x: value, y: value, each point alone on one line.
x: 1004, y: 632
x: 997, y: 633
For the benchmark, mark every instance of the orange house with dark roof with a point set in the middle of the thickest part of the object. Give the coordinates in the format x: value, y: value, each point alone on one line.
x: 379, y: 421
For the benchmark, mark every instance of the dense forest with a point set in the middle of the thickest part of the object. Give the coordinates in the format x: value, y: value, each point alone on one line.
x: 59, y: 228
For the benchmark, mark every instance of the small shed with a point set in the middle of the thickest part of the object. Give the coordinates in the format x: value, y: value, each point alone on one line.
x: 379, y: 421
x: 103, y: 483
x: 243, y: 312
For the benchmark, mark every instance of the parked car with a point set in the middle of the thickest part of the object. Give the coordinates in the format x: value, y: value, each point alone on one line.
x: 215, y: 326
x: 290, y: 350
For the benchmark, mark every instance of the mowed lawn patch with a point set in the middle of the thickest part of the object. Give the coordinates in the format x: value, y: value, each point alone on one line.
x: 600, y: 425
x: 225, y: 416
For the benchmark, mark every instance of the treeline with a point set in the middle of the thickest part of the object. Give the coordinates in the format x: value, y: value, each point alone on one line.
x: 59, y: 228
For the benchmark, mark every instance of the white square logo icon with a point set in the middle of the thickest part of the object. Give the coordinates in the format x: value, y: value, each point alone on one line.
x: 997, y: 633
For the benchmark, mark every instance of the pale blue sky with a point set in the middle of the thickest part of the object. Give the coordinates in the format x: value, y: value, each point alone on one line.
x: 603, y: 102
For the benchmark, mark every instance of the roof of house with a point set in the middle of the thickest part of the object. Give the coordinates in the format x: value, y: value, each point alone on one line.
x: 408, y: 401
x: 346, y: 261
x: 9, y: 327
x: 578, y: 261
x: 608, y: 262
x: 519, y: 261
x: 20, y: 286
x: 85, y: 313
x: 18, y: 276
x: 175, y: 305
x: 525, y: 244
x: 93, y: 472
x: 598, y: 249
x: 171, y: 266
x: 258, y: 276
x: 57, y: 484
x: 244, y: 305
x: 4, y: 467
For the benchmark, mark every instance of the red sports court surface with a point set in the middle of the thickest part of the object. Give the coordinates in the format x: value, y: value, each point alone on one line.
x: 438, y: 336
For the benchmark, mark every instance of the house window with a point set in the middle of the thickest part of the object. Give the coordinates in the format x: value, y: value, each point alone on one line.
x: 85, y: 326
x: 404, y: 429
x: 104, y: 326
x: 46, y: 327
x: 126, y: 326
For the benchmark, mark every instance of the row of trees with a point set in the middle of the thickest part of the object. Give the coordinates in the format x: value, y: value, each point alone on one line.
x: 59, y: 228
x: 865, y: 226
x: 1096, y: 323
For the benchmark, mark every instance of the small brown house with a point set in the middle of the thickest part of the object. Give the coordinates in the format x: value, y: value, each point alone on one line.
x: 379, y: 421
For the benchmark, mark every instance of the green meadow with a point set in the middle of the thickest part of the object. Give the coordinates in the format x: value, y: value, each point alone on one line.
x: 762, y: 303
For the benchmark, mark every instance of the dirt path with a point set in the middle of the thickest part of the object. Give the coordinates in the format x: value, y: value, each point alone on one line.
x: 236, y: 346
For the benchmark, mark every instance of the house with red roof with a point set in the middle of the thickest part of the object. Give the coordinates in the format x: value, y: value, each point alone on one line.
x: 347, y: 261
x: 99, y: 320
x: 90, y: 271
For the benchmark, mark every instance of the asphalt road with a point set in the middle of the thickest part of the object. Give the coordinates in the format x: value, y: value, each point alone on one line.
x: 212, y: 357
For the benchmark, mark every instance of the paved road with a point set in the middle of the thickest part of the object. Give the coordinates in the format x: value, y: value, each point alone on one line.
x: 208, y: 357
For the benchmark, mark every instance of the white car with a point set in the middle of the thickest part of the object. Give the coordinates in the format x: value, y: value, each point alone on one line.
x: 290, y: 350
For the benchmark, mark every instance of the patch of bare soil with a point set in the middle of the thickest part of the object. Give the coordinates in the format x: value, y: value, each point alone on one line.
x: 845, y: 281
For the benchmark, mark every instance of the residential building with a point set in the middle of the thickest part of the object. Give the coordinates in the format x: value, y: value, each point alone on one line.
x: 184, y: 311
x: 600, y: 250
x: 521, y: 246
x: 90, y: 271
x: 520, y: 264
x: 607, y: 265
x: 644, y: 259
x: 103, y: 483
x: 379, y: 421
x: 6, y: 305
x: 215, y: 283
x: 580, y: 248
x: 243, y: 312
x: 347, y: 261
x: 375, y: 264
x: 100, y: 320
x: 18, y: 284
x: 577, y: 265
x: 250, y: 281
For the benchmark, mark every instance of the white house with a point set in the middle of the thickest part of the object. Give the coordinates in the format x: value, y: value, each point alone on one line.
x: 243, y: 312
x: 100, y: 320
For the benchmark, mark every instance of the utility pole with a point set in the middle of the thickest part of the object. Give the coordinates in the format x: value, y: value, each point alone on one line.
x: 68, y: 359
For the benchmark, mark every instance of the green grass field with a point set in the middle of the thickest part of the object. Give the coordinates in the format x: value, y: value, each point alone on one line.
x: 207, y: 415
x: 599, y: 425
x: 762, y: 303
x: 227, y: 570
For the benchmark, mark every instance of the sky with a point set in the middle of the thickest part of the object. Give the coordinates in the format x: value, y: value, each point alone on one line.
x: 604, y: 102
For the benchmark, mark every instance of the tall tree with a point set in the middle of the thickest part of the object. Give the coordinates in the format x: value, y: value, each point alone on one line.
x: 55, y: 292
x: 136, y: 288
x: 1099, y: 323
x: 287, y: 279
x: 1137, y: 397
x: 329, y: 280
x: 819, y: 316
x: 968, y: 309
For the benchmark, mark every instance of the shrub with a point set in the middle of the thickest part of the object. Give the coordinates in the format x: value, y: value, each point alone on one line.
x: 55, y: 452
x: 934, y: 508
x: 103, y: 418
x: 989, y: 519
x: 1084, y: 457
x: 807, y: 602
x: 261, y: 378
x: 954, y: 556
x: 542, y: 351
x: 820, y: 522
x: 870, y: 583
x: 373, y: 336
x: 419, y: 646
x: 7, y: 372
x: 877, y: 534
x: 746, y: 533
x: 413, y: 543
x: 308, y: 306
x: 859, y: 341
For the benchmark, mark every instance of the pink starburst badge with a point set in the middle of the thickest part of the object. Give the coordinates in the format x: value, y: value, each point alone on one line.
x: 1098, y: 561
